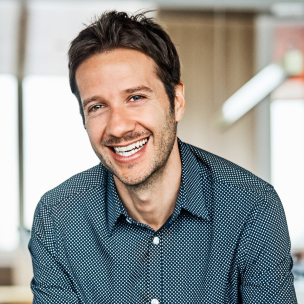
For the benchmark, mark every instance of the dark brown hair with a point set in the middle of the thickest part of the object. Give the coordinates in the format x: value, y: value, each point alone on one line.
x: 119, y: 30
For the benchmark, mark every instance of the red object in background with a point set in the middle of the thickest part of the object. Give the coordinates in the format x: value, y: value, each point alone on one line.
x: 288, y: 38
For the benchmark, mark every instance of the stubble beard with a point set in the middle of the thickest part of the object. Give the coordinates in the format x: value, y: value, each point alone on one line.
x: 162, y: 153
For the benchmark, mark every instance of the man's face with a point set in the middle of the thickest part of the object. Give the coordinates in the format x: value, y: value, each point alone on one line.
x: 128, y: 117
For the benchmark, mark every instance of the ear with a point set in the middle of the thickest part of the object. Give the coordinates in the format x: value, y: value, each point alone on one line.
x: 179, y: 101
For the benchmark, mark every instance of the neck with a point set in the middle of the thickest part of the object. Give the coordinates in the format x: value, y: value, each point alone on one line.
x: 153, y: 201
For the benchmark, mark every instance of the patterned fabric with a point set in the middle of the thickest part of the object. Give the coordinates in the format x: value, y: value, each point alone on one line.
x: 226, y: 241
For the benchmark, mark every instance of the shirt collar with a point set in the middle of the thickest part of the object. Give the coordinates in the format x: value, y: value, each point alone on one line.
x: 115, y: 207
x: 191, y: 194
x: 190, y: 197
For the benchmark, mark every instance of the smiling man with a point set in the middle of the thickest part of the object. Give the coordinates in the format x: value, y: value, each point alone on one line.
x: 158, y: 221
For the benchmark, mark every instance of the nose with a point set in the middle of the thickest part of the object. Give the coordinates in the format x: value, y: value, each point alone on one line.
x: 119, y: 122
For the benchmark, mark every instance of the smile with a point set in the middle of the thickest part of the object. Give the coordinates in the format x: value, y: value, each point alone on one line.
x: 131, y: 149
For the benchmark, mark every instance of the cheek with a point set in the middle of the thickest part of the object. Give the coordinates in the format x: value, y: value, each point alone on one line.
x: 153, y: 116
x: 95, y: 130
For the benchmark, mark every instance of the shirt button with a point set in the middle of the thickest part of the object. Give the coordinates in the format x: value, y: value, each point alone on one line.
x: 156, y: 242
x: 154, y: 301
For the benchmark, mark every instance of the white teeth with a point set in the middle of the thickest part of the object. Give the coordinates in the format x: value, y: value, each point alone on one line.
x: 131, y: 149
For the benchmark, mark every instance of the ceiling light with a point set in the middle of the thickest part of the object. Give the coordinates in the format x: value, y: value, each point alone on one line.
x: 256, y: 89
x: 259, y: 87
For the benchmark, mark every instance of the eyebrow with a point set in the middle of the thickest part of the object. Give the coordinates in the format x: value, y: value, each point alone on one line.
x: 127, y: 91
x: 137, y: 89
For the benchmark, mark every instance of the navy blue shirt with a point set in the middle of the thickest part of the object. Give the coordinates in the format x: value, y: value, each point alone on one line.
x: 226, y: 241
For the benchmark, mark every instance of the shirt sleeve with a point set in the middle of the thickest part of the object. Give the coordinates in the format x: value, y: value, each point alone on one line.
x: 265, y: 262
x: 51, y: 282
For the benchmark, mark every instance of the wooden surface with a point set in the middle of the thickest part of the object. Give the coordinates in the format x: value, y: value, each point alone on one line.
x: 15, y: 295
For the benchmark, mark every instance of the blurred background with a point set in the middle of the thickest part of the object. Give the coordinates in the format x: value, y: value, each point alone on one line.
x: 242, y: 65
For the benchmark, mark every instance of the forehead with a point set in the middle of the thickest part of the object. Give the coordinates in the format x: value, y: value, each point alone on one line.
x: 117, y: 69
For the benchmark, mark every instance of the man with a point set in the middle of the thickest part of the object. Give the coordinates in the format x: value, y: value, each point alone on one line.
x: 158, y: 221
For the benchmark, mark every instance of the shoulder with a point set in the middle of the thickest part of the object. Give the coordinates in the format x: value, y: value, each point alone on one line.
x: 226, y: 174
x: 75, y: 185
x: 66, y: 201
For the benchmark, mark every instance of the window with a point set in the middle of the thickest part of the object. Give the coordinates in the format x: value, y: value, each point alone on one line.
x: 9, y: 193
x: 287, y: 162
x: 56, y: 145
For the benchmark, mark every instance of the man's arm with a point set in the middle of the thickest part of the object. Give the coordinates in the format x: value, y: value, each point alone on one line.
x: 265, y: 262
x: 51, y: 282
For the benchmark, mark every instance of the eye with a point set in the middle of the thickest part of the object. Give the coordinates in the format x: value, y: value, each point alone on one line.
x: 136, y: 97
x: 95, y: 108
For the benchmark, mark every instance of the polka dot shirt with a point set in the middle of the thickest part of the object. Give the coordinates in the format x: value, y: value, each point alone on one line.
x: 226, y: 241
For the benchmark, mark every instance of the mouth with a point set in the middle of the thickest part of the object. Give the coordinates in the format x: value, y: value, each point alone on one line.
x: 130, y: 149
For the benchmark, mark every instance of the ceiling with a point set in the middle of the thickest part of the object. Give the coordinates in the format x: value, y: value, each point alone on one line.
x: 53, y: 23
x: 252, y: 5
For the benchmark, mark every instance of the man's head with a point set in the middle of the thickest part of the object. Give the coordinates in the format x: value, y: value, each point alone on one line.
x: 115, y: 30
x: 126, y: 77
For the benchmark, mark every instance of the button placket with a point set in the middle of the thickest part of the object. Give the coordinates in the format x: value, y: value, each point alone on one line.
x: 156, y: 269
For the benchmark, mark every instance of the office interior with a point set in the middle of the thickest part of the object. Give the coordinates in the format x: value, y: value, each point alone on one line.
x: 243, y: 70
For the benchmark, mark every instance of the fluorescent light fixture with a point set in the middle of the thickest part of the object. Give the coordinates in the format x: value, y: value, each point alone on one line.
x: 255, y: 90
x: 261, y: 85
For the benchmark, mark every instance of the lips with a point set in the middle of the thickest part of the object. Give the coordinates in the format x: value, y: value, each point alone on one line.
x: 130, y: 149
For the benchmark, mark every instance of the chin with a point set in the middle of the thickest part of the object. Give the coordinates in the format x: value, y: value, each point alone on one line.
x: 131, y: 181
x: 142, y: 181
